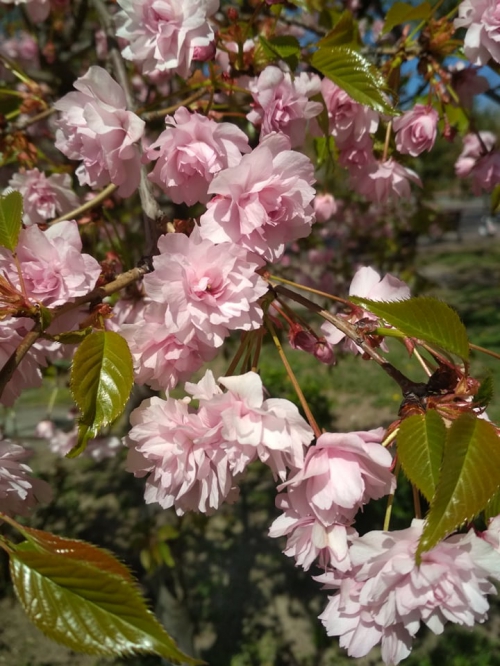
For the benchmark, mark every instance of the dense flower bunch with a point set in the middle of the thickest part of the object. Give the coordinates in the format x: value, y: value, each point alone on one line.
x: 230, y: 130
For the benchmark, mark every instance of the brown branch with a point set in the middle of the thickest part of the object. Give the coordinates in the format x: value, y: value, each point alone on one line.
x: 32, y: 336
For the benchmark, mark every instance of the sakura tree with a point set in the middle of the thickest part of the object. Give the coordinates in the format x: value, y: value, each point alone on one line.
x: 186, y: 177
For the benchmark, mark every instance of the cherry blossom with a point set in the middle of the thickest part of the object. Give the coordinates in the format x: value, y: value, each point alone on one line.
x: 264, y: 202
x: 386, y: 595
x: 27, y: 374
x: 341, y: 473
x: 416, y: 130
x: 53, y: 267
x: 165, y: 35
x: 479, y: 161
x: 325, y: 207
x: 349, y: 121
x: 96, y: 127
x: 282, y: 104
x: 211, y: 288
x: 368, y: 284
x: 482, y: 40
x: 190, y: 152
x: 187, y: 465
x: 44, y: 197
x: 308, y: 539
x: 19, y: 491
x: 382, y: 181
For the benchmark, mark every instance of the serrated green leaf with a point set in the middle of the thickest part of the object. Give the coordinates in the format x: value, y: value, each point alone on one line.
x: 101, y: 380
x: 401, y: 12
x: 11, y: 218
x: 282, y: 47
x: 354, y: 74
x: 470, y: 476
x: 345, y: 32
x: 495, y: 200
x: 485, y: 392
x: 86, y: 608
x: 421, y: 439
x: 78, y: 550
x: 424, y: 318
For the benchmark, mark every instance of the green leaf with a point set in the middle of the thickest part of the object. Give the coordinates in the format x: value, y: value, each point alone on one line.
x: 470, y: 476
x: 401, y: 12
x: 76, y: 549
x: 11, y: 218
x: 457, y: 118
x: 345, y: 32
x: 85, y: 606
x: 485, y: 392
x: 354, y: 74
x: 421, y: 439
x: 424, y: 318
x: 493, y: 507
x: 101, y: 380
x: 282, y: 47
x: 495, y: 200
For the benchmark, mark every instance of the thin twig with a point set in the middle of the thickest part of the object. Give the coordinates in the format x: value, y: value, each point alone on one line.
x: 293, y: 379
x: 88, y: 205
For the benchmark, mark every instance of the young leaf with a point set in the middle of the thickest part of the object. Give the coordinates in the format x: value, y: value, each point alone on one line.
x: 86, y: 607
x: 470, y: 476
x: 101, y: 380
x: 424, y: 318
x: 345, y: 32
x: 78, y: 550
x: 354, y: 74
x: 420, y: 442
x: 11, y: 217
x: 485, y: 392
x: 283, y: 47
x: 401, y: 12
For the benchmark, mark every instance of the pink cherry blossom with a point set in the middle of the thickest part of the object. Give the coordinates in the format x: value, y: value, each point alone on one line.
x: 164, y: 35
x: 187, y: 465
x: 27, y: 374
x: 264, y: 202
x: 325, y: 207
x: 416, y: 130
x: 273, y: 427
x: 44, y: 198
x: 211, y: 288
x: 19, y: 491
x: 367, y: 283
x: 191, y: 151
x: 308, y: 539
x: 282, y: 104
x: 349, y: 121
x: 161, y: 359
x: 53, y: 267
x: 480, y: 161
x: 23, y: 49
x: 96, y: 127
x: 341, y: 473
x: 387, y: 595
x: 382, y: 181
x: 482, y: 40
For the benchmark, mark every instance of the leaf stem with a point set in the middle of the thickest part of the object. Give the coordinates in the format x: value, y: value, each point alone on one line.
x: 88, y: 205
x: 484, y: 350
x: 390, y: 501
